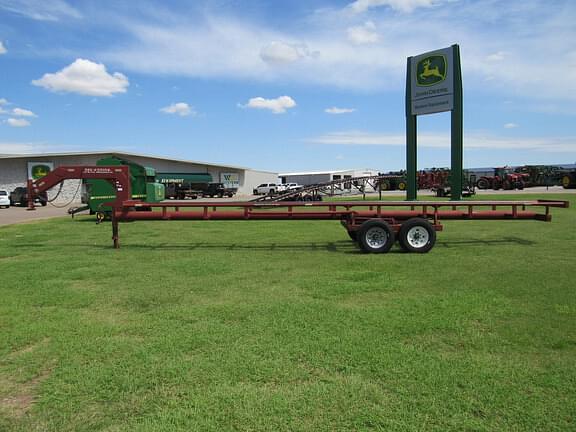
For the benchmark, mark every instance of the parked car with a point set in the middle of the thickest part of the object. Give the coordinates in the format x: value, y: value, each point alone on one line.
x: 4, y: 199
x: 20, y: 196
x: 265, y: 189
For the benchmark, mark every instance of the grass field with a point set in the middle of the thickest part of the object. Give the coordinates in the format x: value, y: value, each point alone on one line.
x: 253, y: 326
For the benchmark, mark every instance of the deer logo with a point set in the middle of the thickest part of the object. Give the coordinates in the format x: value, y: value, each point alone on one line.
x: 431, y: 70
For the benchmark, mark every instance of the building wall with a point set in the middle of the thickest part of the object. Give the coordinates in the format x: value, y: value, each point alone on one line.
x: 308, y: 179
x: 14, y: 172
x: 255, y: 178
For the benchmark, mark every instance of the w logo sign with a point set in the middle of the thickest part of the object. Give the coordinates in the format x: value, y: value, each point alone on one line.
x: 431, y: 70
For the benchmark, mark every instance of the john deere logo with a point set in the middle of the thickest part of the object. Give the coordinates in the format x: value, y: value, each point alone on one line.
x: 39, y: 171
x: 431, y: 70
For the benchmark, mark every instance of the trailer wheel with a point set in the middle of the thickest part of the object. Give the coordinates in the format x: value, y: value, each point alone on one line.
x: 417, y: 235
x: 375, y: 236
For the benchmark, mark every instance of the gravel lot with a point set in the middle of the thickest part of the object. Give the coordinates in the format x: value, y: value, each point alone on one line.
x: 14, y: 215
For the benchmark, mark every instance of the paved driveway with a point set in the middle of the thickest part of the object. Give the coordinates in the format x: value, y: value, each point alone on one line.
x: 14, y: 215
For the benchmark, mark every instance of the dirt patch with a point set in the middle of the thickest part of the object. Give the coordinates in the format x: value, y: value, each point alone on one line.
x: 21, y: 396
x: 16, y: 398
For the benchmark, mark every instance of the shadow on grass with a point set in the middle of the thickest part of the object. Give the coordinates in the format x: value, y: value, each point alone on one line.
x: 486, y: 242
x: 341, y: 246
x: 344, y: 246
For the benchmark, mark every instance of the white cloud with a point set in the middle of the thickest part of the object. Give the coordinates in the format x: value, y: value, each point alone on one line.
x: 41, y: 10
x: 4, y: 102
x: 364, y: 34
x: 228, y: 48
x: 280, y: 53
x: 23, y: 112
x: 510, y: 125
x: 86, y: 78
x: 3, y: 49
x: 18, y: 122
x: 335, y: 110
x: 277, y: 106
x: 407, y: 6
x: 10, y: 147
x: 473, y: 140
x: 181, y: 108
x: 497, y: 56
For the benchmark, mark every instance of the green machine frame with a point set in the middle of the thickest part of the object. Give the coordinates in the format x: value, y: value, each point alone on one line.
x: 142, y: 179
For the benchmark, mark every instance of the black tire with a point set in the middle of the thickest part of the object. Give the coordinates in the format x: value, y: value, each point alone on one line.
x: 385, y: 185
x: 402, y: 185
x: 483, y: 184
x: 375, y: 236
x: 417, y: 235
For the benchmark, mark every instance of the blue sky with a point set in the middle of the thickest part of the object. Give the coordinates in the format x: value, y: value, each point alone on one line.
x: 284, y: 85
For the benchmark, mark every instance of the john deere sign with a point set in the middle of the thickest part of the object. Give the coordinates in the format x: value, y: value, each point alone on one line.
x: 434, y: 84
x: 431, y: 76
x: 38, y: 170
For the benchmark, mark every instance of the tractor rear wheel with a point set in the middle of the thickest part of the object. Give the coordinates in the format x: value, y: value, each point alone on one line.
x: 417, y: 235
x: 375, y: 236
x: 483, y: 184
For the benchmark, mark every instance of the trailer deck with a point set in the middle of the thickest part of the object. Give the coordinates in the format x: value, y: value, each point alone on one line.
x: 374, y: 225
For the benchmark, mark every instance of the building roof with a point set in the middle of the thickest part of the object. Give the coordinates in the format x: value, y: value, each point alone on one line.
x: 324, y: 172
x: 117, y: 153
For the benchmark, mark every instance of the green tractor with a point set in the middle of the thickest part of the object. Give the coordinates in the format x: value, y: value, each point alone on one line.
x: 569, y: 179
x: 98, y: 192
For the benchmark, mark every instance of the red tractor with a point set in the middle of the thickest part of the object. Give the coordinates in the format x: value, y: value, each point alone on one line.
x: 503, y: 178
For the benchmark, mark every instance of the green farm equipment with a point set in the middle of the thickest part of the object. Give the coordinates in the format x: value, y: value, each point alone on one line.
x: 99, y: 192
x: 569, y: 179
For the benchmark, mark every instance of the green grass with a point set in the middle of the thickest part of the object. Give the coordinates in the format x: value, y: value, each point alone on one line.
x: 248, y: 326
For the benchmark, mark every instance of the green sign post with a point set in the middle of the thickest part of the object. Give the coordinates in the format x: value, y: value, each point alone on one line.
x: 434, y: 84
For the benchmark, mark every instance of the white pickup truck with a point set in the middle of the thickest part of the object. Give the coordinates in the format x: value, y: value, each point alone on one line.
x: 265, y: 189
x: 289, y: 187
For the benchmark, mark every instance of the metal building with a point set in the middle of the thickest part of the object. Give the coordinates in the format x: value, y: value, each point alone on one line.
x: 316, y: 177
x: 16, y: 169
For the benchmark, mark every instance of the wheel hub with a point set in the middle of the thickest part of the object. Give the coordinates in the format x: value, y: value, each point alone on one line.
x: 417, y: 237
x: 376, y: 237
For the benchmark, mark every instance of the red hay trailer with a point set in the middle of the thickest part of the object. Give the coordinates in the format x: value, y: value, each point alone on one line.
x: 374, y: 225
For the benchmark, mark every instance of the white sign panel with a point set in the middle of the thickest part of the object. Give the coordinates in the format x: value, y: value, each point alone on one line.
x: 230, y: 180
x: 432, y: 82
